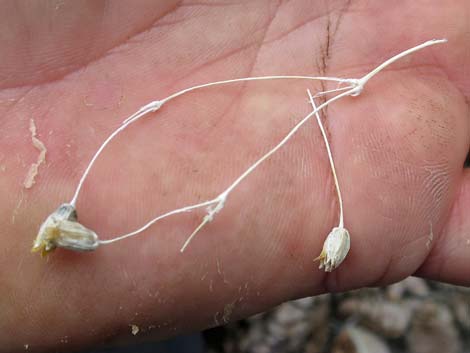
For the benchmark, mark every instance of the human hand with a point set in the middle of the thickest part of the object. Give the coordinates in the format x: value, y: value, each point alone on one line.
x: 78, y: 69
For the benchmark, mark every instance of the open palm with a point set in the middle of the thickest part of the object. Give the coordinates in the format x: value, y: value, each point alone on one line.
x: 79, y: 68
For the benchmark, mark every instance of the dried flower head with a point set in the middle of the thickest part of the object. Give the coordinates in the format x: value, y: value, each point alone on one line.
x: 335, y: 249
x: 61, y: 229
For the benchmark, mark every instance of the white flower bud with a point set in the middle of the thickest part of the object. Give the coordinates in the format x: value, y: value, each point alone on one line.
x: 61, y: 229
x: 335, y: 249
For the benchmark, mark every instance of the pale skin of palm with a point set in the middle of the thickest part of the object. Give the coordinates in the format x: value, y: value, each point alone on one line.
x: 79, y: 68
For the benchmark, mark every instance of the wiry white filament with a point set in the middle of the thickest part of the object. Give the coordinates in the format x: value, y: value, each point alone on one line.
x: 246, y: 79
x: 156, y: 219
x: 330, y: 158
x: 386, y: 63
x: 151, y: 107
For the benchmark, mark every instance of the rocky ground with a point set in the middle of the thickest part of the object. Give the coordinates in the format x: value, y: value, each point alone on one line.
x: 412, y: 316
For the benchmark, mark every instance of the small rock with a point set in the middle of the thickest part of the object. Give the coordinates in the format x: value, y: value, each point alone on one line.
x: 134, y: 329
x: 358, y: 340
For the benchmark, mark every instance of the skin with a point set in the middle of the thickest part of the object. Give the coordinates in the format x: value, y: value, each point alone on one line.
x: 79, y: 68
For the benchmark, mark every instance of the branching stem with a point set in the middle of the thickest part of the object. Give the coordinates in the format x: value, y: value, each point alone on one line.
x: 354, y: 88
x: 364, y: 79
x: 156, y: 105
x: 219, y: 201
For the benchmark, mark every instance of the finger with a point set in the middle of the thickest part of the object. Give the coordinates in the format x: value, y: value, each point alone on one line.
x: 449, y: 258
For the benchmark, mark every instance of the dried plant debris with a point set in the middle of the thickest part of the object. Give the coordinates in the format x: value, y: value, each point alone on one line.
x: 337, y: 243
x: 411, y: 316
x: 134, y: 329
x: 34, y: 168
x: 62, y: 229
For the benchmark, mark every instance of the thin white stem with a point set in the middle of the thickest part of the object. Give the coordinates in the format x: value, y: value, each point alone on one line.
x: 330, y: 157
x: 339, y: 89
x: 211, y: 212
x: 386, y: 63
x: 245, y: 79
x: 193, y: 234
x: 153, y: 106
x: 149, y: 224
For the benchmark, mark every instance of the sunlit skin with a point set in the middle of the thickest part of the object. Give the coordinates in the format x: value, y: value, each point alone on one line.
x: 80, y: 68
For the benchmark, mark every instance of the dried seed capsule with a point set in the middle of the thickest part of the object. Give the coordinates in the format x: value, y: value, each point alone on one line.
x: 61, y: 229
x: 335, y: 249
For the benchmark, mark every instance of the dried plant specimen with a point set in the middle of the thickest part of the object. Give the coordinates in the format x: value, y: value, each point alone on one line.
x: 337, y: 243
